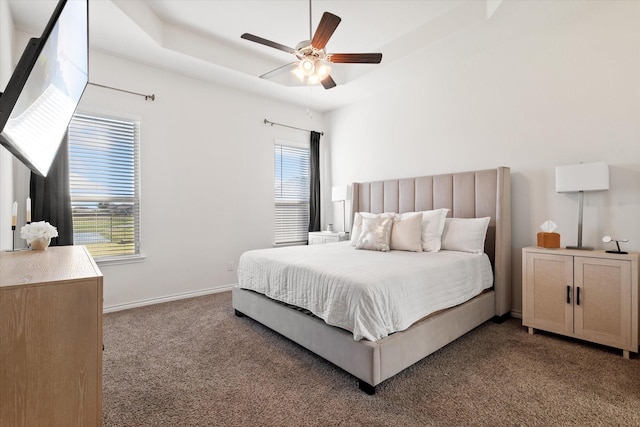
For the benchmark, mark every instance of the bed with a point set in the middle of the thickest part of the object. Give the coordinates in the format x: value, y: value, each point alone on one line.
x: 474, y: 194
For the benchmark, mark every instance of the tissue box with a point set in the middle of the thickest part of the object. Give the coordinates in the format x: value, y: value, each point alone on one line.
x: 549, y: 240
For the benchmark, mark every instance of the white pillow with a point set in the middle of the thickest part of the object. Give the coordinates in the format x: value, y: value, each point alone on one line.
x: 465, y: 234
x: 406, y: 233
x: 432, y: 227
x: 375, y: 233
x: 357, y: 224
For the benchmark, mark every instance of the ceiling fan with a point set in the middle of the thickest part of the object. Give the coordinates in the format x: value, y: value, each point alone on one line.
x: 313, y: 64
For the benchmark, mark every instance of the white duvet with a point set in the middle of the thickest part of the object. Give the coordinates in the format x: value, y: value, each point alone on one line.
x: 369, y: 293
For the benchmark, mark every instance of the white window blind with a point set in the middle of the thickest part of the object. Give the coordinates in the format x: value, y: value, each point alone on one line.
x: 291, y: 193
x: 104, y: 181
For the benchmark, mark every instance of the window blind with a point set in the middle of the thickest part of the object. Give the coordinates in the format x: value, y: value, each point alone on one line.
x: 104, y: 181
x: 291, y: 169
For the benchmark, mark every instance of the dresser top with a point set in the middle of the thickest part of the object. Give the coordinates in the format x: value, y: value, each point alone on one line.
x: 55, y: 264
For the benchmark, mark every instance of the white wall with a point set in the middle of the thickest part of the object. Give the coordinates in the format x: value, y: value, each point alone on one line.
x: 207, y: 176
x: 567, y: 94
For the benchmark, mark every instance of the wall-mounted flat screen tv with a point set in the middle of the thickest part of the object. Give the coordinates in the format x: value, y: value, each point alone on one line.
x: 46, y: 86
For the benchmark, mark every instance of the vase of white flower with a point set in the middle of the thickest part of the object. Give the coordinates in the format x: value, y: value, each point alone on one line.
x: 39, y: 244
x: 38, y: 234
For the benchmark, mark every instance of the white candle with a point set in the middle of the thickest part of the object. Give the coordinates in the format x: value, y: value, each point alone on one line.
x: 28, y: 210
x: 14, y: 214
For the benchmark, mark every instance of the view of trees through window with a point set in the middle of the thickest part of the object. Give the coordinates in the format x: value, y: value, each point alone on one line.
x: 103, y: 165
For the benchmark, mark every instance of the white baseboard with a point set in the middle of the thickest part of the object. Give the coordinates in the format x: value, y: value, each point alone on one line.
x: 158, y: 300
x: 516, y: 314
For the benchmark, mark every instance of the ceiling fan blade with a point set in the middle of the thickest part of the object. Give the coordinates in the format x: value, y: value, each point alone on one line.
x: 266, y: 42
x: 355, y: 58
x: 284, y: 75
x: 274, y: 73
x: 326, y: 27
x: 328, y: 82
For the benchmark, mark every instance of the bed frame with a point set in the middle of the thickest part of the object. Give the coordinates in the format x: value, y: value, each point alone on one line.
x: 467, y: 195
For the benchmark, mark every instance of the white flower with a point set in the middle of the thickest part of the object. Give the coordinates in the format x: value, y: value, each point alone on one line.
x: 38, y: 230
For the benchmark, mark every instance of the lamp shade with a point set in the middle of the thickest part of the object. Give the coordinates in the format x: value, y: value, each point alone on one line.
x: 340, y: 193
x: 582, y: 177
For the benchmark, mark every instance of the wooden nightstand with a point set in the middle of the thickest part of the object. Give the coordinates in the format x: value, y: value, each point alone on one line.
x: 591, y: 295
x: 321, y: 237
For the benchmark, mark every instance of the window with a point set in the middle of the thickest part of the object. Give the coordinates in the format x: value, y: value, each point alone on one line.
x: 291, y: 192
x: 104, y: 181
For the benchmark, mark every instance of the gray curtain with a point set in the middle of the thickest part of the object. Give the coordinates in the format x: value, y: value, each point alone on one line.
x: 314, y: 172
x: 51, y: 198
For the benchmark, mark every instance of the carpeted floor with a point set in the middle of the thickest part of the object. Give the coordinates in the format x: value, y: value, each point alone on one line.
x: 194, y: 363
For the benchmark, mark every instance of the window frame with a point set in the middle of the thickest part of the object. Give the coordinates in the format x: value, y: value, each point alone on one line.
x: 295, y: 145
x: 137, y: 256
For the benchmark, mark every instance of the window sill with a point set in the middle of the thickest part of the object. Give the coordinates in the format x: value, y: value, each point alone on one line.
x: 128, y: 259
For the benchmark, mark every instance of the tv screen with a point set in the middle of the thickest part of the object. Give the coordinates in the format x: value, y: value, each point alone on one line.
x: 46, y: 86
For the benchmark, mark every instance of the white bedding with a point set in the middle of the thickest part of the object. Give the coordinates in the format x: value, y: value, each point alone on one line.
x: 369, y: 293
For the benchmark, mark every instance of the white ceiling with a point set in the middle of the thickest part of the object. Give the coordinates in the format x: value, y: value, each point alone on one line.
x: 201, y: 38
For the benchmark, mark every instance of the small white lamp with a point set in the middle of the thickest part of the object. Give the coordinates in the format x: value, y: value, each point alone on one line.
x: 580, y: 178
x: 341, y: 193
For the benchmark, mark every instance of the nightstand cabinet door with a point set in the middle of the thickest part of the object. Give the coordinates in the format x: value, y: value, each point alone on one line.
x: 548, y: 294
x: 603, y: 311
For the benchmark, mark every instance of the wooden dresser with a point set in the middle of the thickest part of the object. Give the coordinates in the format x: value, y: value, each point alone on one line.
x: 50, y: 338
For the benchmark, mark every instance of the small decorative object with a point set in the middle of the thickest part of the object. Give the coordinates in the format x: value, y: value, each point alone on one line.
x: 38, y: 234
x: 14, y: 221
x: 547, y: 238
x: 608, y: 239
x: 330, y: 228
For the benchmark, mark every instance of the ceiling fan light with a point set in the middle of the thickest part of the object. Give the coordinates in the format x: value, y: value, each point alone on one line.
x: 307, y: 67
x: 298, y: 73
x: 322, y: 69
x: 313, y: 79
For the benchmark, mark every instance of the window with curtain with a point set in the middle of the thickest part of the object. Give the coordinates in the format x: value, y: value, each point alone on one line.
x: 291, y: 172
x: 104, y: 184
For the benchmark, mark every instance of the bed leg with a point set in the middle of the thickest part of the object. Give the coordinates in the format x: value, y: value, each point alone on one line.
x: 239, y: 313
x: 501, y: 319
x: 367, y: 388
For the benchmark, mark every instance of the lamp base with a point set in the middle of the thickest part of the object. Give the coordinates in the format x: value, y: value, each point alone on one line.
x: 581, y: 248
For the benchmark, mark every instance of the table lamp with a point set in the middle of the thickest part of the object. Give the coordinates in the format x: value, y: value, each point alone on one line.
x: 578, y: 179
x: 341, y: 193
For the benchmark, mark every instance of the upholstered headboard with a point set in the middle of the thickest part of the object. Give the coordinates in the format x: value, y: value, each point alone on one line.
x: 473, y: 194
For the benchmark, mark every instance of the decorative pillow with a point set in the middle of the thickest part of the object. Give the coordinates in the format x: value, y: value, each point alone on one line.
x: 375, y: 233
x: 406, y: 233
x: 432, y: 227
x: 357, y: 224
x: 465, y: 234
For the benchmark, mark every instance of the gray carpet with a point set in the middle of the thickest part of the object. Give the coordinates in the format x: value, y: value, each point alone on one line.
x: 193, y: 363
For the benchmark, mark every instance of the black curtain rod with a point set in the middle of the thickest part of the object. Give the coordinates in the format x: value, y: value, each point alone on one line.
x: 151, y: 97
x: 267, y: 122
